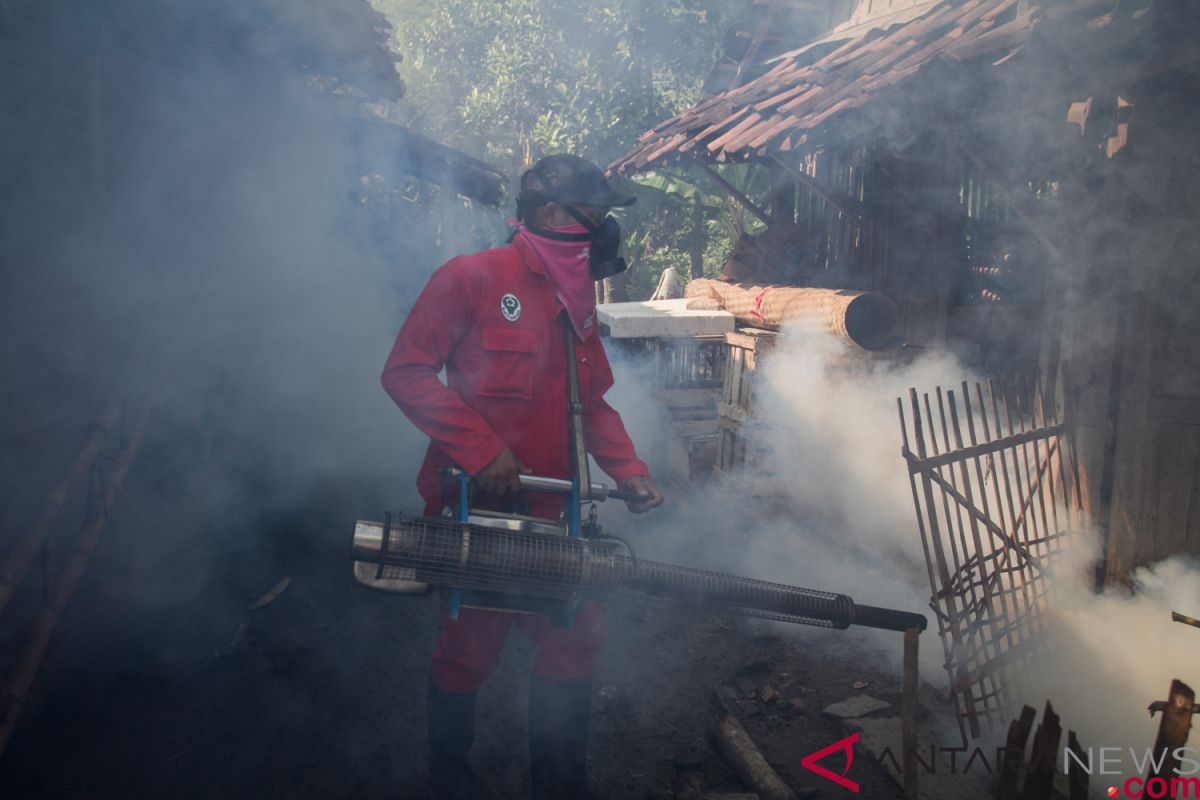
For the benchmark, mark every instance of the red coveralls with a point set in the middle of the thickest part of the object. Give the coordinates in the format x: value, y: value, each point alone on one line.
x: 506, y: 386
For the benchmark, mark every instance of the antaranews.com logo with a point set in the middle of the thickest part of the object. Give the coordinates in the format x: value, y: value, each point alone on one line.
x: 1182, y: 780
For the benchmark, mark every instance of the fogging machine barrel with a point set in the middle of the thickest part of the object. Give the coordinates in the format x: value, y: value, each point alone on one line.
x: 442, y: 552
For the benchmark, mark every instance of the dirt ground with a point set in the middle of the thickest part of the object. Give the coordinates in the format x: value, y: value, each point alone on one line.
x: 163, y: 683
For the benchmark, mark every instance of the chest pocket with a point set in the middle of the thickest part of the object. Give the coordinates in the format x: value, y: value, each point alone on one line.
x: 511, y: 354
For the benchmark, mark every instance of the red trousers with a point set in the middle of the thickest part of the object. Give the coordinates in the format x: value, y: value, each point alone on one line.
x: 469, y: 647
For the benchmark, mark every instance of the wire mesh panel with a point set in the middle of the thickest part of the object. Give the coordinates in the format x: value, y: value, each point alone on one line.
x: 995, y: 483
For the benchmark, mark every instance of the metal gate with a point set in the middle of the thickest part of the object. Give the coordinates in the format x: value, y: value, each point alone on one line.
x: 995, y: 481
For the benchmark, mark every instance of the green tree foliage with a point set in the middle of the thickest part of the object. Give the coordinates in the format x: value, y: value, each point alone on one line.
x: 667, y: 218
x: 514, y: 80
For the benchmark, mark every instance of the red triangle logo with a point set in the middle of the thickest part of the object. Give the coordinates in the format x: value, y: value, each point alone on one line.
x: 847, y: 744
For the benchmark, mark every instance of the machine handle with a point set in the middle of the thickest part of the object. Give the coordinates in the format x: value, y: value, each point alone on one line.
x: 536, y: 483
x: 628, y: 497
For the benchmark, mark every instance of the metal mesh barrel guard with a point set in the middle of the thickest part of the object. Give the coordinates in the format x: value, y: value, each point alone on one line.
x: 439, y: 551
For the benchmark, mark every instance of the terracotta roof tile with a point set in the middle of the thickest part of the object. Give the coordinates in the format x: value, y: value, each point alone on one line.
x: 776, y: 110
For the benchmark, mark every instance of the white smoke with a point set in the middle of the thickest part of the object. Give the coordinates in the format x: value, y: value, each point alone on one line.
x: 848, y: 525
x: 1116, y: 652
x: 829, y: 508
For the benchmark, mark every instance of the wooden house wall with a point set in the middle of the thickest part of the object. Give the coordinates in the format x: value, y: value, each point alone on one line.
x: 1128, y: 331
x: 1117, y: 300
x: 934, y: 233
x: 1005, y: 232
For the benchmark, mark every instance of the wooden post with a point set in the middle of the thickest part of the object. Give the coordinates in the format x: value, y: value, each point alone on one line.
x: 908, y: 721
x: 698, y: 240
x: 1173, y: 729
x: 615, y: 288
x: 1014, y: 754
x: 47, y: 620
x: 1040, y: 779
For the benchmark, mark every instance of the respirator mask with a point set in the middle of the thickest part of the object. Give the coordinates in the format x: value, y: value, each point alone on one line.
x: 571, y: 181
x: 605, y: 238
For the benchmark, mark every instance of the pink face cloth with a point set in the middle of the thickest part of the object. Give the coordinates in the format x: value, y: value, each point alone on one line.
x: 566, y: 265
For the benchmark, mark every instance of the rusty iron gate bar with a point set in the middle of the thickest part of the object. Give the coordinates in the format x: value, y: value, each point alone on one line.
x: 995, y: 483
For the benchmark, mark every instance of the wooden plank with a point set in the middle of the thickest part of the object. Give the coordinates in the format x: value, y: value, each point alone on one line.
x: 1039, y: 780
x: 735, y: 134
x: 918, y: 464
x: 1132, y: 454
x: 1171, y: 516
x: 908, y: 723
x: 912, y: 482
x: 1014, y: 755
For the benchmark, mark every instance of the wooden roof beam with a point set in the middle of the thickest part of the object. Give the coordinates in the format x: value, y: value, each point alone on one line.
x: 746, y: 202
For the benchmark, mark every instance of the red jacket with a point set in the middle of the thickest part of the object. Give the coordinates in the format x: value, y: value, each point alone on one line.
x: 493, y: 321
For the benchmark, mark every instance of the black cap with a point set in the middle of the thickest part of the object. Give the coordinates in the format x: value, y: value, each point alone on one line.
x: 571, y: 179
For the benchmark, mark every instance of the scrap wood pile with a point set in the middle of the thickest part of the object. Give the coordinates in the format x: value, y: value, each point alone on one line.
x: 1029, y: 771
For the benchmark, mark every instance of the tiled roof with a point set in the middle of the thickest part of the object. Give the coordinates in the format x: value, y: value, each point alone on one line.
x: 807, y: 88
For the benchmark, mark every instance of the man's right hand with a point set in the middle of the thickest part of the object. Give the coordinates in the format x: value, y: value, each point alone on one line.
x: 502, y: 475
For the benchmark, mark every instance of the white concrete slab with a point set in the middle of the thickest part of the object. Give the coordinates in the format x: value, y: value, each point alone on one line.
x: 664, y: 319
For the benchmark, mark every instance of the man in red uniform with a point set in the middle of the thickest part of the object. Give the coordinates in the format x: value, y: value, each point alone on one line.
x: 495, y: 322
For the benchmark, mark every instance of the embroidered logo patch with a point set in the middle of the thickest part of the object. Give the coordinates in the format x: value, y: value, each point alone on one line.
x: 510, y: 307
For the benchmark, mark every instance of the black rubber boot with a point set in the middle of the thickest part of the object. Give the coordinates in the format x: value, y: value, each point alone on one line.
x: 451, y: 724
x: 559, y: 714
